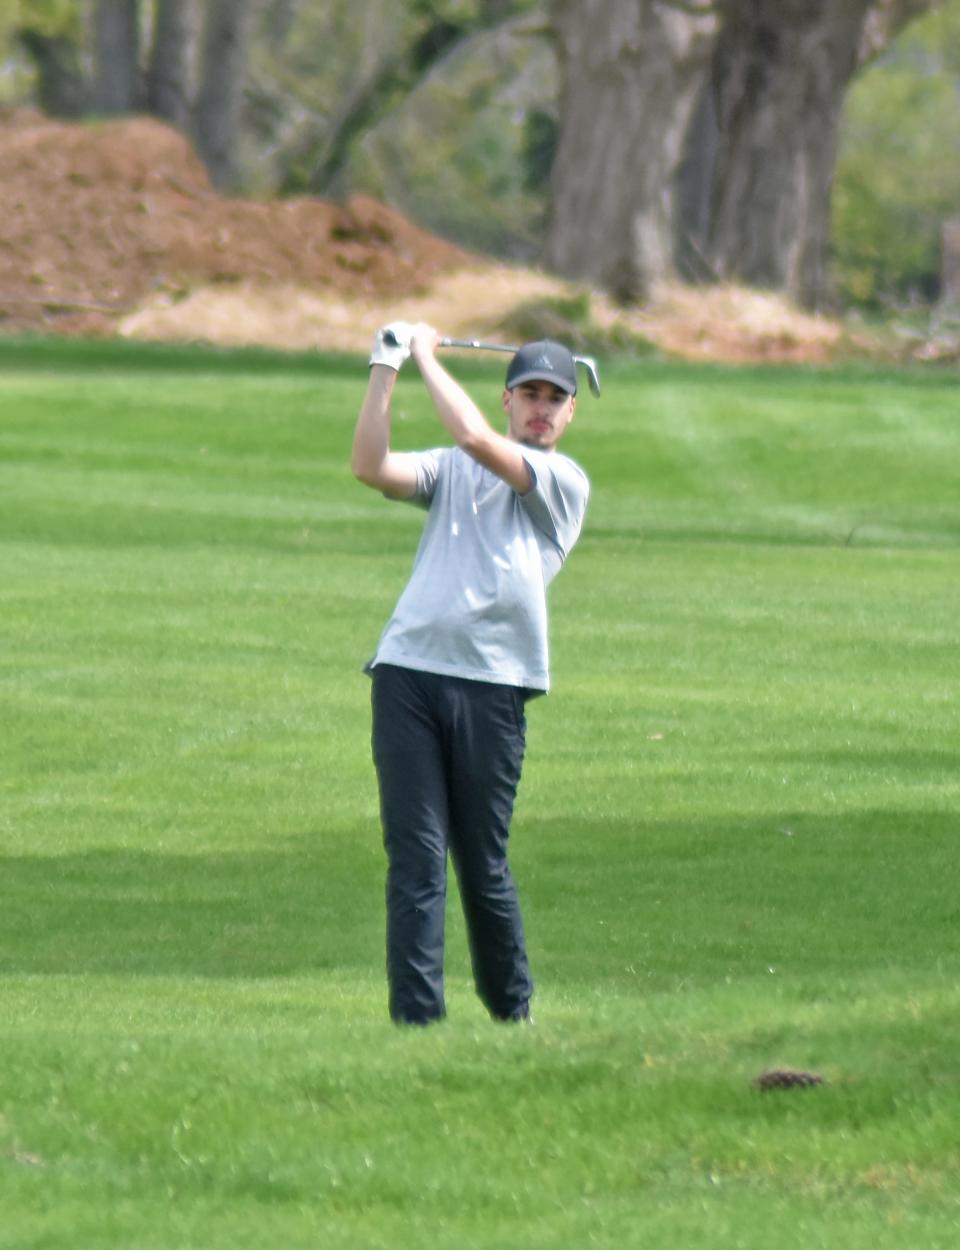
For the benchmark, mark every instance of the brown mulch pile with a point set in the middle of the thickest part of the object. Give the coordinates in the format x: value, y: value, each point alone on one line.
x: 96, y: 218
x: 114, y: 228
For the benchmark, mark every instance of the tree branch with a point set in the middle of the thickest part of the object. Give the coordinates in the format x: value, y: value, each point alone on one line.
x: 884, y: 21
x: 396, y: 77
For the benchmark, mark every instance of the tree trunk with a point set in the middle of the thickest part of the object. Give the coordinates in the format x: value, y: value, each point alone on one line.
x: 759, y: 158
x: 117, y: 43
x: 950, y: 267
x: 168, y: 95
x: 222, y: 76
x: 693, y: 190
x: 62, y: 89
x: 630, y: 73
x: 781, y: 70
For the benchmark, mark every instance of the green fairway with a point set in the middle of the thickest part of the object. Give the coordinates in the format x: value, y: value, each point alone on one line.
x: 735, y: 839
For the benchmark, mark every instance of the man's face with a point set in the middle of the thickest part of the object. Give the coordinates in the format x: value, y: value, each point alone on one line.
x: 538, y: 413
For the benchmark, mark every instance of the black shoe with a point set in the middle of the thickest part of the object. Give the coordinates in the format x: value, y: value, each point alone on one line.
x: 519, y: 1015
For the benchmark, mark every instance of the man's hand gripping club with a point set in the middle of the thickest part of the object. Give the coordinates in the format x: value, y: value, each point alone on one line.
x: 375, y: 464
x: 371, y: 460
x: 391, y: 345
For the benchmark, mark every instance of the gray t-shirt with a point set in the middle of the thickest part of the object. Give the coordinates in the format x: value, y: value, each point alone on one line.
x: 475, y: 605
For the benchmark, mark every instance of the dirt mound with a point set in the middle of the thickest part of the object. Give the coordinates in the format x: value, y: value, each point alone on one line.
x: 114, y: 228
x: 93, y: 219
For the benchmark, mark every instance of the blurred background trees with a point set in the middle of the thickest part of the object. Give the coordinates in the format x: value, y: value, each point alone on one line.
x: 897, y: 180
x: 767, y: 135
x: 795, y: 145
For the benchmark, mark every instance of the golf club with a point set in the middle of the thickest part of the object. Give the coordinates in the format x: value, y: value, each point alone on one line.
x: 588, y: 362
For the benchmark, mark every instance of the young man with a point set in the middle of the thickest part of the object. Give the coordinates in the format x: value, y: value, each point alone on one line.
x: 464, y: 649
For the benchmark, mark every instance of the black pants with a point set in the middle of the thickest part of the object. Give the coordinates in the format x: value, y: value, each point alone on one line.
x: 448, y: 754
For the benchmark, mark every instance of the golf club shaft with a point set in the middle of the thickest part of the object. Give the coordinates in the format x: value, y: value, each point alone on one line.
x: 391, y: 340
x: 588, y: 362
x: 479, y: 345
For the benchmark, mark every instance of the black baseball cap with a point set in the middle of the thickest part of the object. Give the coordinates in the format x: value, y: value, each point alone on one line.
x: 543, y: 361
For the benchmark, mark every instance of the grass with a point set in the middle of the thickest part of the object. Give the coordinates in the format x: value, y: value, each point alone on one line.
x: 735, y: 838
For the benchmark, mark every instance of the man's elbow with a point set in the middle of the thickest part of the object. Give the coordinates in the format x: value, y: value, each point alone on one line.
x: 391, y: 476
x: 364, y: 471
x: 475, y: 442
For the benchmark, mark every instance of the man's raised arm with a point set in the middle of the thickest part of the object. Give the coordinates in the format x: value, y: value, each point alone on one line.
x: 371, y: 460
x: 464, y: 421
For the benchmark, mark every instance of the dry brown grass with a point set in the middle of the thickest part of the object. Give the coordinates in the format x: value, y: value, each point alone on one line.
x: 470, y: 301
x: 722, y: 323
x: 735, y: 324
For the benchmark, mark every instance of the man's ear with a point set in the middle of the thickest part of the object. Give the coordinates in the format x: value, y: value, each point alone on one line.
x: 505, y: 400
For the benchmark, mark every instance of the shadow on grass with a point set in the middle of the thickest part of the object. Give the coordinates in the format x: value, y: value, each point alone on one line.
x: 837, y: 531
x: 790, y: 895
x: 639, y: 902
x: 233, y: 915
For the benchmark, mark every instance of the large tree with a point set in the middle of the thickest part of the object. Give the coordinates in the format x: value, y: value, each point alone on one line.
x: 741, y: 97
x: 763, y: 151
x: 630, y: 73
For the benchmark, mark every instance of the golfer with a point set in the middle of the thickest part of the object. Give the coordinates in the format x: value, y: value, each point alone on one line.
x: 465, y: 648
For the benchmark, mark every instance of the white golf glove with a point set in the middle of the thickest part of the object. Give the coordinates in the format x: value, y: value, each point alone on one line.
x: 391, y: 344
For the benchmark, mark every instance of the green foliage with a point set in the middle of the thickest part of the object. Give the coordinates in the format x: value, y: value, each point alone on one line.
x: 453, y: 154
x: 540, y: 136
x: 898, y: 172
x: 48, y: 17
x: 315, y: 109
x: 569, y: 320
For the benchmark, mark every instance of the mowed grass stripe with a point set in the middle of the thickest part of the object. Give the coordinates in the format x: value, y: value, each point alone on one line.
x: 735, y: 836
